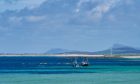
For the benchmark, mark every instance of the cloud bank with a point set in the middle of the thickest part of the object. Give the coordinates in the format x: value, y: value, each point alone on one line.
x: 98, y: 8
x: 19, y: 4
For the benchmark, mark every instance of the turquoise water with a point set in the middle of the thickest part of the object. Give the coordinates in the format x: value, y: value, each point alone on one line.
x: 67, y: 75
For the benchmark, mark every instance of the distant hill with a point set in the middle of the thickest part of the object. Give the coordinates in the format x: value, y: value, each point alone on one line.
x: 66, y: 51
x: 120, y: 49
x: 58, y: 51
x: 115, y: 49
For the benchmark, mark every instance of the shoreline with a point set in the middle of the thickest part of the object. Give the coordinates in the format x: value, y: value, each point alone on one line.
x: 69, y: 55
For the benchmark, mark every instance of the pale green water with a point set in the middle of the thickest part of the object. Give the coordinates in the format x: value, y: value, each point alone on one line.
x: 91, y: 75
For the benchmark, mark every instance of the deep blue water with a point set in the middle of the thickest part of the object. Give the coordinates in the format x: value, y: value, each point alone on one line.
x: 41, y: 62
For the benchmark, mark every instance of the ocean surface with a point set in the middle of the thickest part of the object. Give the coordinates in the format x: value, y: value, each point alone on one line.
x: 55, y: 70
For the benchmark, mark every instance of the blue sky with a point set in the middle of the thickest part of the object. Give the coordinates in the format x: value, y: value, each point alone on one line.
x: 87, y: 25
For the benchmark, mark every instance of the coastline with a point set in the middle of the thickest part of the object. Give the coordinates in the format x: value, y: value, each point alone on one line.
x: 70, y: 55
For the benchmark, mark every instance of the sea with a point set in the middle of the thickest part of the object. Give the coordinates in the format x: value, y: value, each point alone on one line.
x: 59, y: 70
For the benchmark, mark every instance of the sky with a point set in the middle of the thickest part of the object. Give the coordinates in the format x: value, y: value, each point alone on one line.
x: 36, y: 26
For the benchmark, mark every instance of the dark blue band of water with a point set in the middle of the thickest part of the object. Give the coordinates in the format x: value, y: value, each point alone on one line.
x: 36, y: 62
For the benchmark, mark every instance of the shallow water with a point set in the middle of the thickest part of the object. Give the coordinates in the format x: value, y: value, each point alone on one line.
x: 68, y: 75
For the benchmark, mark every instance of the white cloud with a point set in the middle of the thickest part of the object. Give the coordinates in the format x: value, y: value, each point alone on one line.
x: 32, y: 18
x: 19, y: 4
x: 35, y: 18
x: 103, y: 8
x: 15, y: 19
x: 99, y: 7
x: 81, y: 2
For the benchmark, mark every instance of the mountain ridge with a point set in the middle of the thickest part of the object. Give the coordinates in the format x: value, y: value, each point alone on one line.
x: 115, y: 49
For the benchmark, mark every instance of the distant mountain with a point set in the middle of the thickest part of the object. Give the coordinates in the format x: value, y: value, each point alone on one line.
x: 66, y: 51
x: 58, y: 51
x: 120, y: 49
x: 115, y: 49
